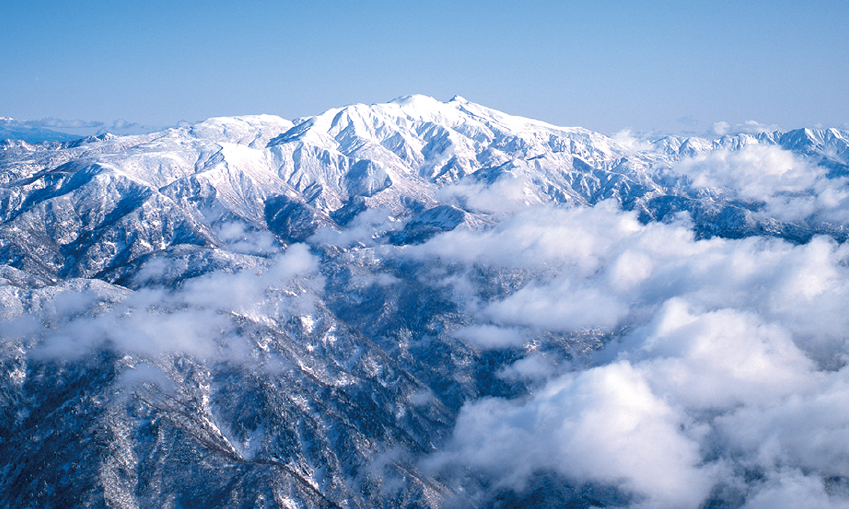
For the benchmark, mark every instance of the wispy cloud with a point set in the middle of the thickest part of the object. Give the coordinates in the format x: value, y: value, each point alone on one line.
x: 723, y: 128
x: 195, y: 319
x: 57, y: 123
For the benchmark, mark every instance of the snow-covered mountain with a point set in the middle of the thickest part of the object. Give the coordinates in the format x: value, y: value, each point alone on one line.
x: 91, y: 206
x: 252, y: 312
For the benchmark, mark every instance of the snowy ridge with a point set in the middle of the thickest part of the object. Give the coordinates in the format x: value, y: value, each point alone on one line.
x: 123, y: 198
x: 343, y: 311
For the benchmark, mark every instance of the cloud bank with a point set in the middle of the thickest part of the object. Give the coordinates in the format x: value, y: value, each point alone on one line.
x: 784, y: 186
x: 727, y: 359
x: 73, y: 319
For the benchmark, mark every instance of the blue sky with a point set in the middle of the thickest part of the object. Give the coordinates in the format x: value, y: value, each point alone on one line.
x: 605, y: 65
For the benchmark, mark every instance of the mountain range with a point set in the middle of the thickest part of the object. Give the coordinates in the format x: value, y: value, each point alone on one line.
x: 258, y: 312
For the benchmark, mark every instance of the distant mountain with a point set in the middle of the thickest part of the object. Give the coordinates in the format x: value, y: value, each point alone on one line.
x: 13, y: 130
x: 257, y: 312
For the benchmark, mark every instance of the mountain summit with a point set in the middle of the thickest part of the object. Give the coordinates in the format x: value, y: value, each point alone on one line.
x: 173, y: 187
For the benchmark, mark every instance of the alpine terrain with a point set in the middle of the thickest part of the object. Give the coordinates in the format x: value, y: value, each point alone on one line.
x: 424, y: 304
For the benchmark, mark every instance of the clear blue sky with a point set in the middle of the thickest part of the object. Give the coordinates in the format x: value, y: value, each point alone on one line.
x: 604, y: 65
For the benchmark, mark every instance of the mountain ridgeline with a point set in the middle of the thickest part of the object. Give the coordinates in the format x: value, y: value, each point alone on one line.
x: 256, y: 312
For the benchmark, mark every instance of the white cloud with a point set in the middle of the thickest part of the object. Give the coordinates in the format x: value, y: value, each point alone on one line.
x: 791, y: 489
x: 629, y: 143
x: 601, y: 426
x: 723, y: 128
x: 538, y: 237
x: 194, y: 319
x: 363, y: 229
x: 718, y: 359
x: 491, y: 336
x: 720, y: 128
x: 729, y: 358
x: 507, y: 195
x: 790, y: 187
x: 560, y: 305
x: 240, y: 239
x: 755, y: 172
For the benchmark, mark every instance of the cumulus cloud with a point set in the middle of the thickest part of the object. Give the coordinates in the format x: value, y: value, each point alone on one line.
x: 755, y: 172
x: 718, y: 359
x: 560, y: 305
x: 119, y: 126
x: 720, y: 128
x: 538, y: 237
x: 603, y: 425
x: 122, y: 125
x: 788, y: 186
x: 726, y: 357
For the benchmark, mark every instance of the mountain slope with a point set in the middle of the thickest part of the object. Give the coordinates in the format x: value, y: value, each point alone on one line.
x: 342, y: 310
